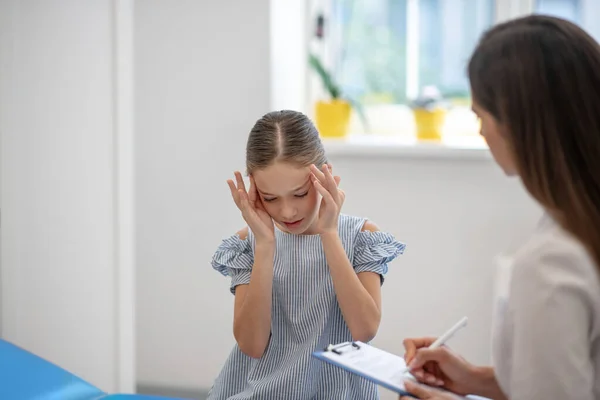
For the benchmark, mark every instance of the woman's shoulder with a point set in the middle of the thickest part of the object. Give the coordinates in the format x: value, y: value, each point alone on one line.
x: 551, y: 243
x: 553, y: 259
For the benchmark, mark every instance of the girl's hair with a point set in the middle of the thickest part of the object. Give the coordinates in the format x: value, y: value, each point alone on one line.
x: 286, y: 136
x: 539, y: 76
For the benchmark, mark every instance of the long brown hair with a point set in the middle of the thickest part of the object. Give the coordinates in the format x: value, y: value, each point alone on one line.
x: 539, y: 76
x: 287, y: 136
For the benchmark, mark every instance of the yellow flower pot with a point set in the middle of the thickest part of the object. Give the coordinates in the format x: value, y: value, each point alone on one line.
x: 429, y: 123
x: 333, y: 118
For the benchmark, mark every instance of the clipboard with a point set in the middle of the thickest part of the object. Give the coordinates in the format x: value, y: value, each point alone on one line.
x: 376, y: 365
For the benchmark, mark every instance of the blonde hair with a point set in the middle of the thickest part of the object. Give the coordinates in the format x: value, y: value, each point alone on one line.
x: 286, y: 136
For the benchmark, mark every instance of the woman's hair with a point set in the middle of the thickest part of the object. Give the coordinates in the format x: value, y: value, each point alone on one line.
x: 286, y: 136
x: 539, y: 76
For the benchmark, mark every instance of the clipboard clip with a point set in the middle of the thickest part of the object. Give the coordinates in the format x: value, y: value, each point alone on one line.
x: 341, y: 348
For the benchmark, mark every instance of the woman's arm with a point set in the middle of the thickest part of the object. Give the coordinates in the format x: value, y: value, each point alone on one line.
x: 486, y: 385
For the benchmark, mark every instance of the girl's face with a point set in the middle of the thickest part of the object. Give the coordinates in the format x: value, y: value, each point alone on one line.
x: 288, y: 195
x: 495, y: 136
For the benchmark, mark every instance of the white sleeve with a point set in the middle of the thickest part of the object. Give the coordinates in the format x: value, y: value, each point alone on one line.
x: 550, y: 314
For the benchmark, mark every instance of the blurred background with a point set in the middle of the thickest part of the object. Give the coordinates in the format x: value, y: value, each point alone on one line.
x: 120, y: 121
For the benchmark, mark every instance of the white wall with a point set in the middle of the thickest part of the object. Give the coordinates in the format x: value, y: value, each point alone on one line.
x: 61, y: 236
x: 455, y: 217
x: 202, y: 80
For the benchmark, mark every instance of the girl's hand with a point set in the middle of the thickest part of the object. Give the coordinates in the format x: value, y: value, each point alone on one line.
x: 333, y: 198
x: 423, y: 392
x: 252, y: 209
x: 439, y: 367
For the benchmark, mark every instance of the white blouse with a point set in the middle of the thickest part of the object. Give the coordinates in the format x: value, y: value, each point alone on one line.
x: 547, y: 325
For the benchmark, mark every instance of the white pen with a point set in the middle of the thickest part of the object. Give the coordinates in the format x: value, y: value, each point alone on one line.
x: 446, y: 336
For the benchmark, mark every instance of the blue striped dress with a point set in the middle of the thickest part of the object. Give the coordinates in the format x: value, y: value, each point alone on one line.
x: 305, y: 316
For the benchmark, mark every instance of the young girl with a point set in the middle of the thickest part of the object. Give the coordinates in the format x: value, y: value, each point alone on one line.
x: 304, y: 276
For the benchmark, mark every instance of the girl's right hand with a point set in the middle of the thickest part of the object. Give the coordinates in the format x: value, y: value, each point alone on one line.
x: 252, y: 209
x: 439, y: 367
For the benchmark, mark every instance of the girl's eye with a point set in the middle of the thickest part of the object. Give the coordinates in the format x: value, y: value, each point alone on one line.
x: 303, y: 194
x: 269, y: 200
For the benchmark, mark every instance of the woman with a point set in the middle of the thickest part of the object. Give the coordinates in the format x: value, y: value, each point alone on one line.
x: 535, y: 84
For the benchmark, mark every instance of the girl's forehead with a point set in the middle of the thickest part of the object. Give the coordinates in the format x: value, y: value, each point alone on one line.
x: 281, y: 178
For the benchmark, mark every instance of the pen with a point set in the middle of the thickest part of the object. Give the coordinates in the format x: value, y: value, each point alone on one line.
x: 446, y: 336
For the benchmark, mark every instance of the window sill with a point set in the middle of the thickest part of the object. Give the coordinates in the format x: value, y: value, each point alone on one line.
x: 465, y: 148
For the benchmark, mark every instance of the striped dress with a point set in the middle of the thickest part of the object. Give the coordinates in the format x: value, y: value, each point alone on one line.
x: 305, y: 316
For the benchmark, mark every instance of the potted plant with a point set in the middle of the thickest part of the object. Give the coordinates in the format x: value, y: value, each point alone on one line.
x: 333, y: 116
x: 429, y: 110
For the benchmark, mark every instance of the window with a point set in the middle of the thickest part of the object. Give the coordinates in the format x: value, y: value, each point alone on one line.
x: 384, y: 53
x: 582, y: 12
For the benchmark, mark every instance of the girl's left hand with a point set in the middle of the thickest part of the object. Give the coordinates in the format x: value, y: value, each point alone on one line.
x: 333, y: 198
x: 424, y: 392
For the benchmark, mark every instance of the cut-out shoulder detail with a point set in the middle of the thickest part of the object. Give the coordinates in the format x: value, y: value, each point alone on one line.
x: 243, y: 233
x: 369, y: 226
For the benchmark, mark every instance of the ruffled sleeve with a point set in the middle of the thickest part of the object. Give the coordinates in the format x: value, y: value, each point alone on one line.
x: 374, y: 250
x: 234, y: 258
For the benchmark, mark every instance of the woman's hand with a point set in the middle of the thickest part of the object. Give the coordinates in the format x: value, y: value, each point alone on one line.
x: 258, y: 220
x: 423, y: 392
x: 439, y: 367
x: 333, y: 198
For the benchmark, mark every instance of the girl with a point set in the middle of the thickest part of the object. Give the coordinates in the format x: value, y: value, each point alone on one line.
x: 536, y: 87
x: 304, y: 276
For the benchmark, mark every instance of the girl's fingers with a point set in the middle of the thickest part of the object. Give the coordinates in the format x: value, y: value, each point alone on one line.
x: 240, y: 181
x: 253, y: 193
x: 326, y: 195
x: 342, y: 196
x: 318, y: 174
x: 234, y: 193
x: 322, y: 184
x: 248, y: 212
x: 255, y: 200
x: 244, y: 202
x: 337, y: 179
x: 330, y: 183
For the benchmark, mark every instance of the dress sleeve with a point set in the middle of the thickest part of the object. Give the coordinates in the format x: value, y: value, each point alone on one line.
x: 374, y: 250
x: 234, y: 258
